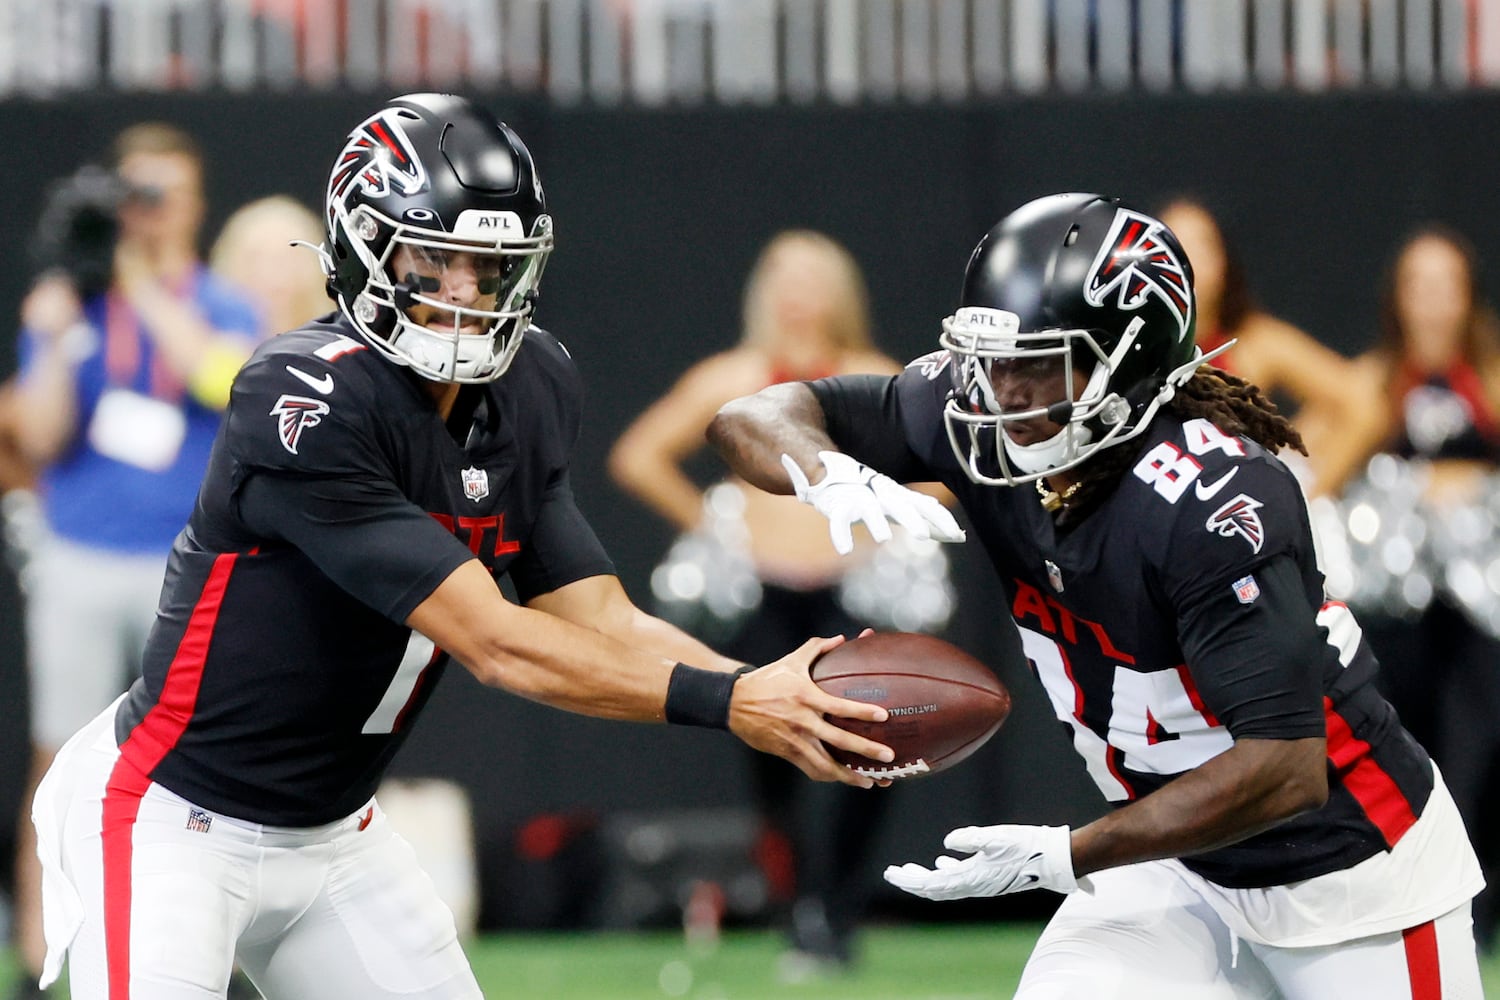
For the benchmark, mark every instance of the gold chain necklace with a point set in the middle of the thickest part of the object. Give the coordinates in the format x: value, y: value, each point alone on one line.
x: 1053, y: 502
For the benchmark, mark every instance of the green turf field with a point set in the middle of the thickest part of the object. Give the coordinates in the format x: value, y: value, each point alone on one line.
x: 947, y: 962
x: 927, y: 963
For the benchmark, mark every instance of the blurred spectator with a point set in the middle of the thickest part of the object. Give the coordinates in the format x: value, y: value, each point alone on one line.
x: 1283, y: 360
x: 1436, y: 367
x: 255, y: 253
x: 118, y: 402
x: 16, y: 471
x: 806, y: 315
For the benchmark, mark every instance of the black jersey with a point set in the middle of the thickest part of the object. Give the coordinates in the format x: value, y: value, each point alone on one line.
x: 1183, y: 612
x: 279, y: 679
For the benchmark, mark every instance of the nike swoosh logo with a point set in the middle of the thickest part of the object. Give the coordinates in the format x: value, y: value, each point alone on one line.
x: 1207, y: 492
x: 323, y: 385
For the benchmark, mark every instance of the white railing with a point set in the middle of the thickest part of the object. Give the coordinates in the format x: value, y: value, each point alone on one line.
x: 748, y: 51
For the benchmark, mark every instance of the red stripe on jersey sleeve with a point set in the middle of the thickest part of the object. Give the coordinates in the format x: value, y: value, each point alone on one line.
x: 1374, y: 789
x: 1422, y: 966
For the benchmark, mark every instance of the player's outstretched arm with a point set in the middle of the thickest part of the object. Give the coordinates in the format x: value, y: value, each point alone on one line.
x: 784, y: 426
x: 1250, y: 787
x: 753, y: 432
x: 559, y: 652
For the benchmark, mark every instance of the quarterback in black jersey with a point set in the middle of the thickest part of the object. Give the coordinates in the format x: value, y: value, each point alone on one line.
x: 1276, y: 832
x: 376, y: 472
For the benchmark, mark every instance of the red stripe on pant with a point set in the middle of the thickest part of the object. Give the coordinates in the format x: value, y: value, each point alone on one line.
x: 142, y: 750
x: 1422, y: 962
x: 122, y: 802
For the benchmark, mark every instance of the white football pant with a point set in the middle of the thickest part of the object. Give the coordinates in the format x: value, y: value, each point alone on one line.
x: 1146, y: 931
x: 161, y: 908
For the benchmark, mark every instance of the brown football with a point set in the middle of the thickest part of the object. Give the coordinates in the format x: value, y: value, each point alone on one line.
x: 943, y: 703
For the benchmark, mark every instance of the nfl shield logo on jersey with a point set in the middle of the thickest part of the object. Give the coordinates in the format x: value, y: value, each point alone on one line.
x: 476, y: 483
x: 1246, y: 590
x: 1054, y: 575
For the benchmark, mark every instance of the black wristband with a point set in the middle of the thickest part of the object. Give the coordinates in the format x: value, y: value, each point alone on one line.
x: 697, y: 697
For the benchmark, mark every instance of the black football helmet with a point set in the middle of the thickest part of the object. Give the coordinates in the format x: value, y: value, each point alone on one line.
x: 439, y: 175
x: 1086, y: 282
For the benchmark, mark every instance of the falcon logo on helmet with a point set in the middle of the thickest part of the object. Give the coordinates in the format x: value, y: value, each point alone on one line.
x: 379, y: 158
x: 1134, y: 259
x: 296, y: 414
x: 1239, y: 517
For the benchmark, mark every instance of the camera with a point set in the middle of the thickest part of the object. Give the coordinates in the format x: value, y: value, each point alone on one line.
x: 79, y: 226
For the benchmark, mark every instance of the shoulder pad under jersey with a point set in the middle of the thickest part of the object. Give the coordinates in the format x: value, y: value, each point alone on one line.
x: 306, y: 403
x: 1223, y: 505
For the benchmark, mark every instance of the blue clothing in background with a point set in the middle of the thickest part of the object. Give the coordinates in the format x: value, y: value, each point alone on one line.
x: 99, y: 501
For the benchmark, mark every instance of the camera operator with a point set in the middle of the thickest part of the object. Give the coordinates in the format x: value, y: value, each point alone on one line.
x: 128, y: 351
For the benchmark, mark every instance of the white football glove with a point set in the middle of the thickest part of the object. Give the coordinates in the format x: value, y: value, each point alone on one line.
x: 1002, y: 859
x: 851, y: 493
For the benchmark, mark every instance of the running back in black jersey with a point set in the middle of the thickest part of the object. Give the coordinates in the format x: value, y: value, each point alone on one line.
x: 279, y: 679
x: 1184, y: 612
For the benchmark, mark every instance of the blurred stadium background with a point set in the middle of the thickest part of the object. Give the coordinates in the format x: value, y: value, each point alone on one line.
x: 674, y: 137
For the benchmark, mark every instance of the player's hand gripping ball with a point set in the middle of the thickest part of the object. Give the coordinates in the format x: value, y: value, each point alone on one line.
x: 943, y: 703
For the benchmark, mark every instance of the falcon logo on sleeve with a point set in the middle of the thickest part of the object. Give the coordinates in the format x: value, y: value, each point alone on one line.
x: 1139, y: 264
x: 1239, y: 517
x: 294, y: 415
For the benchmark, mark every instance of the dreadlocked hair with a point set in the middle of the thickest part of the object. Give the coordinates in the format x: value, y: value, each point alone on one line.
x: 1235, y: 406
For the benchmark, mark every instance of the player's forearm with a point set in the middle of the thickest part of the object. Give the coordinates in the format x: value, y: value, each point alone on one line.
x: 576, y: 669
x: 537, y: 655
x: 653, y: 635
x: 1249, y: 788
x: 540, y: 655
x: 753, y: 433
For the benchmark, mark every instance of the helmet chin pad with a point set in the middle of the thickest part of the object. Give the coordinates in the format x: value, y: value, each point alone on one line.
x: 448, y: 357
x: 1044, y: 456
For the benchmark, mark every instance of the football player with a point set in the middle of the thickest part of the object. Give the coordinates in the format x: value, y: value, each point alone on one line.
x: 377, y: 471
x: 1276, y: 831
